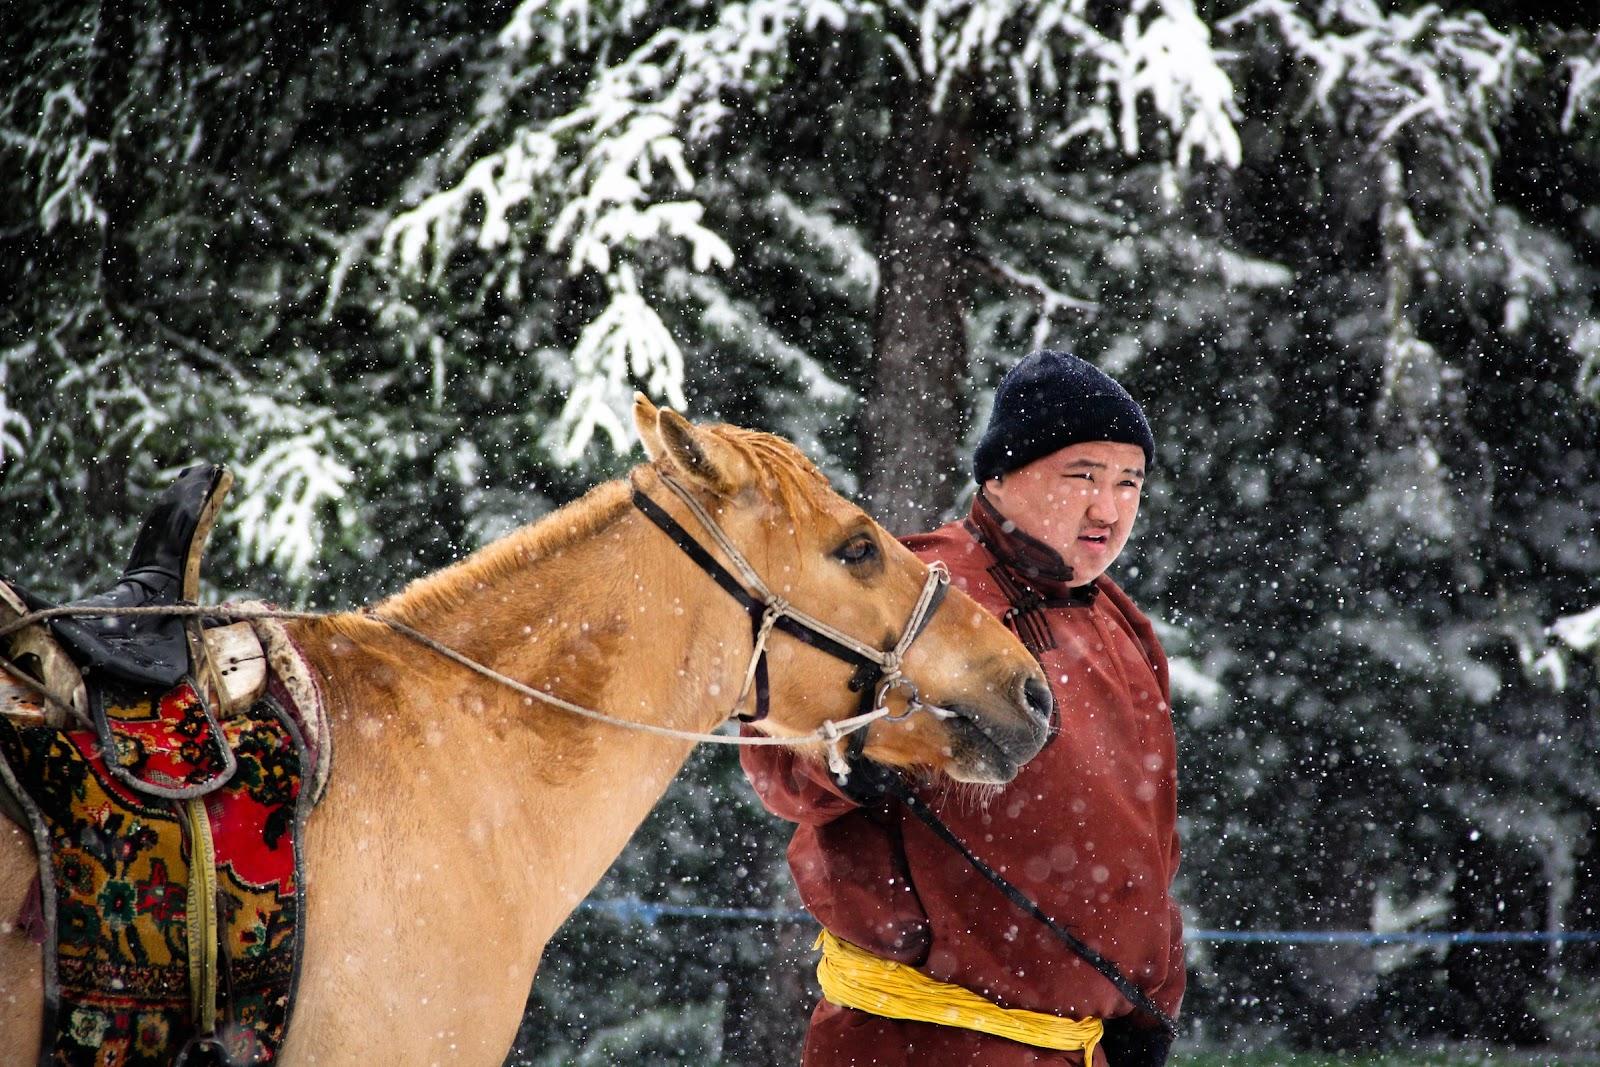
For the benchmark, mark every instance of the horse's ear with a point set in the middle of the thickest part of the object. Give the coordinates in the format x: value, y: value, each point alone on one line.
x: 647, y: 419
x: 697, y: 455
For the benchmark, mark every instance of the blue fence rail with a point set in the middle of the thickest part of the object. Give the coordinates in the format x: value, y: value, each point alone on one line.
x: 631, y: 909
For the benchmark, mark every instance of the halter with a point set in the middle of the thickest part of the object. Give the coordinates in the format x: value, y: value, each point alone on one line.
x: 878, y: 671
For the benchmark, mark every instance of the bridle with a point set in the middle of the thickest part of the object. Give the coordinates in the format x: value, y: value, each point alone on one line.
x: 878, y: 672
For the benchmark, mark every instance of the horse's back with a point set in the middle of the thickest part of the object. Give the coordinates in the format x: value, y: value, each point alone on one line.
x: 21, y: 962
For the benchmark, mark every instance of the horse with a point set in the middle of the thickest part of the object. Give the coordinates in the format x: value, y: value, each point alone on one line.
x: 464, y: 822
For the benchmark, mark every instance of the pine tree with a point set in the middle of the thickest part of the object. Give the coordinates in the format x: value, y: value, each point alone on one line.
x: 402, y: 269
x: 622, y: 120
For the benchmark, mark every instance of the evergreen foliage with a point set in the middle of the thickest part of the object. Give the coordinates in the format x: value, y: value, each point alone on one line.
x: 401, y: 267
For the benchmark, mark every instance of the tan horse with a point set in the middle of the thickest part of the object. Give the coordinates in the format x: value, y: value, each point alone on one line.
x: 464, y: 822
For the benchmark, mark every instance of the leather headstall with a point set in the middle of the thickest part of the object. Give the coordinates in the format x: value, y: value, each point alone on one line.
x: 767, y: 613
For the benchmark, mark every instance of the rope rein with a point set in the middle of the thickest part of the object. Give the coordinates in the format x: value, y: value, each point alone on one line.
x: 775, y: 611
x: 832, y: 730
x: 829, y: 733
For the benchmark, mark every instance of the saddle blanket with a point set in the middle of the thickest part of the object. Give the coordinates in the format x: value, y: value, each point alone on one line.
x: 171, y: 925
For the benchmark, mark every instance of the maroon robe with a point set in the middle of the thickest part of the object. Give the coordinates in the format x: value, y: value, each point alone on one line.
x: 1088, y: 829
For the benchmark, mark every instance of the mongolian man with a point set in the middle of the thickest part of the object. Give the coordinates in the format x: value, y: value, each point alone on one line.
x: 1087, y: 830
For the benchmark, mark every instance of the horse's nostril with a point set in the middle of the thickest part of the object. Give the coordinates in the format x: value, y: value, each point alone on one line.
x: 1037, y: 694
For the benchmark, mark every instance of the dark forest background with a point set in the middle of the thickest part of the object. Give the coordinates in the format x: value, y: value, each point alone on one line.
x: 401, y: 264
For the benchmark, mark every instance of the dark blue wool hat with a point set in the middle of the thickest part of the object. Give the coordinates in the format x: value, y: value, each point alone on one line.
x: 1051, y: 400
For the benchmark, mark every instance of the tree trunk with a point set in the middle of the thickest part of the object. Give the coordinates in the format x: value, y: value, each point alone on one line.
x: 914, y: 420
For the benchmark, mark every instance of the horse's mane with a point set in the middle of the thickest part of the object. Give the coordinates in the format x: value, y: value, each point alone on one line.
x: 448, y: 589
x: 788, y: 474
x: 792, y: 477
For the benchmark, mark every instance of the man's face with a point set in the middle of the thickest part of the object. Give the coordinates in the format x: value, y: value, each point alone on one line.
x: 1081, y: 501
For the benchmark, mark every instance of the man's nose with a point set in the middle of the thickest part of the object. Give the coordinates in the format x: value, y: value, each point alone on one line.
x: 1103, y: 507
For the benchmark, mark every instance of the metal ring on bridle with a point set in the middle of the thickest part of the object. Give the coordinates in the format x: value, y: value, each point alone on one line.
x: 913, y: 697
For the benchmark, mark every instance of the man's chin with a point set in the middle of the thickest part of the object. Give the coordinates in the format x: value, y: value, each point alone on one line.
x: 1087, y: 566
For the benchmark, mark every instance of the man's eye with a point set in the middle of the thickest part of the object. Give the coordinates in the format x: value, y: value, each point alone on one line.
x: 857, y: 550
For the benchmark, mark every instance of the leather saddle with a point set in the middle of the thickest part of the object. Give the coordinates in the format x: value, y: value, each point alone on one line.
x: 146, y: 652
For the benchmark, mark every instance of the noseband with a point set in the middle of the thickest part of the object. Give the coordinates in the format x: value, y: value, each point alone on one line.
x: 877, y: 671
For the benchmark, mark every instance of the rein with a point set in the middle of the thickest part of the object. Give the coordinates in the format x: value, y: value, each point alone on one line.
x: 830, y: 731
x: 872, y: 666
x: 1020, y: 900
x: 878, y: 672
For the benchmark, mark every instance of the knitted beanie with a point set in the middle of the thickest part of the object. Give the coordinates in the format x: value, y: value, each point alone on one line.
x: 1051, y: 400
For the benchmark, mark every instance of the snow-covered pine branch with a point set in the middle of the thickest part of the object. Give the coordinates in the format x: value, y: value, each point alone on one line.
x: 608, y: 180
x: 1158, y: 57
x: 15, y: 429
x: 287, y: 482
x: 1583, y: 91
x: 1423, y: 85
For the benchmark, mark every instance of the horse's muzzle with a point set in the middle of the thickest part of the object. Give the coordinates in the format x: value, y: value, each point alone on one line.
x: 1039, y: 700
x: 989, y: 748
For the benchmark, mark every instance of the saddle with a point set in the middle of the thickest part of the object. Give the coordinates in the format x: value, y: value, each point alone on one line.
x: 65, y: 656
x: 164, y: 773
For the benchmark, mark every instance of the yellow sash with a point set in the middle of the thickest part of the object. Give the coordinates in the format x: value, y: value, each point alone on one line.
x: 854, y: 978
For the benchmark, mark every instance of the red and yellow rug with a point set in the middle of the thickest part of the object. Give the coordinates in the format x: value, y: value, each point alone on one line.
x: 150, y: 950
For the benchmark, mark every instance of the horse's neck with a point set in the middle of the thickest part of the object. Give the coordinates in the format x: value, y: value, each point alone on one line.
x: 541, y: 798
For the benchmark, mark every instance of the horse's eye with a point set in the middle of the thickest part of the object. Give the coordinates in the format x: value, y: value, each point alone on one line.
x: 856, y: 551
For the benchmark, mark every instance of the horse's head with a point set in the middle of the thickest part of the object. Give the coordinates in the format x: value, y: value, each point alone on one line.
x: 826, y: 557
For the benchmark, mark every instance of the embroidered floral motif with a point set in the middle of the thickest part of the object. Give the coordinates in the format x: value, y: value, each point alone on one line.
x: 159, y: 897
x: 120, y: 868
x: 88, y: 1027
x: 152, y: 1034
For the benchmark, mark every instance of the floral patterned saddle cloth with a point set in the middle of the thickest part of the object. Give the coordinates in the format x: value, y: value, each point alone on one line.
x: 171, y: 923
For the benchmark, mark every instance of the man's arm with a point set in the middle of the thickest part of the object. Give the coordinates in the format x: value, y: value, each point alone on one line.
x: 1170, y: 994
x: 792, y: 786
x: 847, y: 859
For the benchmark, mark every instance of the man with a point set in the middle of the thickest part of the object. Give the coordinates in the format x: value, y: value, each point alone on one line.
x: 1087, y: 829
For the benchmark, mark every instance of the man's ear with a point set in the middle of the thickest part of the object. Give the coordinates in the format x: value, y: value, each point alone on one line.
x: 673, y: 441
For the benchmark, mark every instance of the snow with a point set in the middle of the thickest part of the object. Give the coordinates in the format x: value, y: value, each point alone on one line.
x: 843, y: 246
x: 72, y: 199
x: 1586, y: 342
x: 1580, y: 632
x: 628, y: 340
x: 15, y: 429
x: 1345, y: 275
x: 1584, y: 89
x: 1188, y: 680
x: 726, y: 318
x: 283, y: 492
